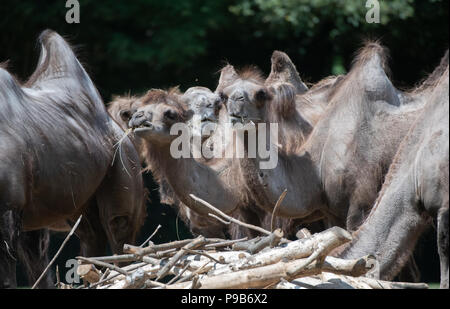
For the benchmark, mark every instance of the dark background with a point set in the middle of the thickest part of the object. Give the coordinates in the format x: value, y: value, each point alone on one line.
x: 134, y: 45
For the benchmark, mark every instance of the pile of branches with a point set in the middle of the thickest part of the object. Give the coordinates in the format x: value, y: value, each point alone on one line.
x: 264, y: 262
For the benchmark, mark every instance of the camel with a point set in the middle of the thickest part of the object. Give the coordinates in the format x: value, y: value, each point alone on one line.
x: 225, y: 187
x: 198, y: 101
x: 336, y: 171
x: 416, y: 190
x: 57, y: 160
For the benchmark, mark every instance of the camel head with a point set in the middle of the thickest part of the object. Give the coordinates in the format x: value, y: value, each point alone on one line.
x: 205, y: 104
x: 122, y: 108
x: 246, y: 94
x: 159, y: 111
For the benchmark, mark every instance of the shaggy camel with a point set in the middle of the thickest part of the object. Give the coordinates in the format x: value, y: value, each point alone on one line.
x: 160, y: 103
x: 56, y: 154
x: 338, y: 170
x: 197, y: 101
x: 416, y: 190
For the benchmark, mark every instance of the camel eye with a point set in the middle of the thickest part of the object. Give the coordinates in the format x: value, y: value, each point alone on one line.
x: 170, y: 115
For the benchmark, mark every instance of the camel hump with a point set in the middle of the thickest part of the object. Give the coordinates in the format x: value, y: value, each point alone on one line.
x: 371, y: 71
x: 58, y: 66
x: 436, y: 75
x: 228, y: 76
x: 284, y: 71
x: 372, y: 54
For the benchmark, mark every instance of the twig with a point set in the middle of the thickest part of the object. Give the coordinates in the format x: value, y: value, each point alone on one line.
x: 129, y: 268
x: 225, y: 243
x: 103, y: 264
x: 179, y: 274
x: 219, y: 219
x: 204, y: 254
x: 192, y: 245
x: 58, y: 280
x: 275, y: 209
x: 58, y: 252
x: 191, y: 275
x: 114, y: 259
x: 195, y: 283
x: 105, y: 274
x: 259, y: 244
x: 231, y: 219
x: 151, y: 236
x: 155, y: 248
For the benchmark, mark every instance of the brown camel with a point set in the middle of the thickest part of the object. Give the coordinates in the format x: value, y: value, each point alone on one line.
x: 415, y: 190
x: 160, y: 102
x: 58, y: 160
x: 196, y: 100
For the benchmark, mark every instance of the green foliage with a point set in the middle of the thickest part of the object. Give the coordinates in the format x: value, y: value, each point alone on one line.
x: 294, y: 17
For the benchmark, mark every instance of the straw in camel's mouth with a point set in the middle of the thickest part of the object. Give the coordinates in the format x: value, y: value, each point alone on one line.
x: 143, y: 127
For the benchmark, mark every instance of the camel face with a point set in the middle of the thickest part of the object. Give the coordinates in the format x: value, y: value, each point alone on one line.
x: 206, y: 105
x: 246, y: 101
x: 122, y: 108
x: 152, y: 122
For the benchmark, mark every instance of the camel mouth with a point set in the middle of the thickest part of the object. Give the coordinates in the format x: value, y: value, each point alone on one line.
x: 236, y: 119
x: 146, y: 126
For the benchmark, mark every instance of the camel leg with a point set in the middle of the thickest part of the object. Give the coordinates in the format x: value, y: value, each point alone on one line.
x: 92, y: 236
x: 10, y: 226
x: 33, y: 253
x: 443, y: 236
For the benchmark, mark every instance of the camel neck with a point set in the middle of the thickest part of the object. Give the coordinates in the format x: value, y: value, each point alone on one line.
x: 295, y: 173
x: 214, y: 182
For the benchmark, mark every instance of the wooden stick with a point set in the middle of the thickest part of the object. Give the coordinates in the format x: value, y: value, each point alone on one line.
x: 192, y: 245
x: 58, y: 252
x: 266, y: 275
x: 256, y: 246
x: 89, y: 273
x: 275, y: 209
x: 151, y: 236
x: 225, y: 243
x: 155, y: 248
x: 204, y: 254
x: 191, y: 275
x: 329, y: 239
x: 58, y: 280
x: 219, y: 219
x: 103, y: 264
x: 179, y: 274
x: 231, y: 219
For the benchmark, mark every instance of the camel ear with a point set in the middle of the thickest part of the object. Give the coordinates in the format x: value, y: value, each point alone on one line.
x: 126, y: 114
x: 284, y: 71
x: 227, y: 76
